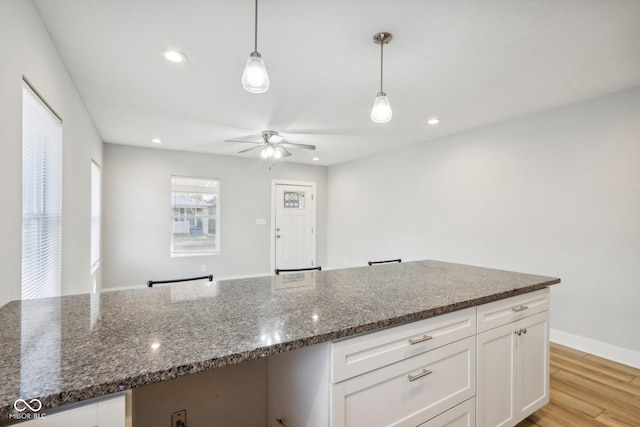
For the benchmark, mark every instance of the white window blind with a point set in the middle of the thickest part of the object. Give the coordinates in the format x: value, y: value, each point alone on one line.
x: 41, y: 198
x: 195, y: 204
x: 96, y: 190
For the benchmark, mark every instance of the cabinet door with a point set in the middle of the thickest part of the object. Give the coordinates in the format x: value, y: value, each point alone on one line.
x: 496, y: 376
x: 533, y: 364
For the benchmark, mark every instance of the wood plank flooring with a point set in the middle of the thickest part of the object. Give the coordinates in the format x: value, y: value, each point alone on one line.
x: 587, y: 390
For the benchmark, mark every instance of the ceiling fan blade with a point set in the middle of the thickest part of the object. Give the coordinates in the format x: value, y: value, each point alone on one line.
x: 247, y: 142
x: 295, y: 145
x: 249, y: 149
x: 275, y: 138
x: 284, y: 152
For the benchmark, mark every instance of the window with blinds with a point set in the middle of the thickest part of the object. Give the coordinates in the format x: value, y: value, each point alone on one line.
x: 96, y: 191
x: 41, y: 198
x: 194, y: 210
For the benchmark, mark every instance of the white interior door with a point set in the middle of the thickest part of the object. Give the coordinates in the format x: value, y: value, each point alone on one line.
x: 295, y: 241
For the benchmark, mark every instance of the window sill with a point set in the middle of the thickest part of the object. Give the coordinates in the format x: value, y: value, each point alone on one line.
x: 193, y: 254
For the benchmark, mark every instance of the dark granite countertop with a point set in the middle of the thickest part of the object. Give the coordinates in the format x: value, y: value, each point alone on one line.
x: 68, y: 349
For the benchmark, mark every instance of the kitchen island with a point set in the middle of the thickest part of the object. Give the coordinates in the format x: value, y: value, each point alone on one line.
x: 69, y: 349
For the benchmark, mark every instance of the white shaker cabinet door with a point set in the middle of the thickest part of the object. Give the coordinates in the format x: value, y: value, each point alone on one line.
x: 496, y: 377
x: 513, y: 371
x: 533, y: 365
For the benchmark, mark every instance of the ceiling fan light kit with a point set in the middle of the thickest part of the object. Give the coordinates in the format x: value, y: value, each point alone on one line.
x: 255, y: 78
x: 273, y: 145
x: 381, y: 111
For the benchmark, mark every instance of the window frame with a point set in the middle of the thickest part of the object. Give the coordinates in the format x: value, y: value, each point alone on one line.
x: 42, y: 197
x: 96, y: 211
x: 190, y: 216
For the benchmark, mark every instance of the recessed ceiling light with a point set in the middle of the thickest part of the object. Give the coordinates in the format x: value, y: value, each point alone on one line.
x: 175, y: 56
x: 156, y: 141
x: 433, y: 121
x: 315, y: 159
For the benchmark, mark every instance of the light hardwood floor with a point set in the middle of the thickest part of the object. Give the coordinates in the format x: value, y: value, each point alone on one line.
x: 587, y: 390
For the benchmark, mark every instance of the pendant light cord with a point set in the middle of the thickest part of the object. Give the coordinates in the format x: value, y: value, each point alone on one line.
x: 255, y: 34
x: 381, y: 63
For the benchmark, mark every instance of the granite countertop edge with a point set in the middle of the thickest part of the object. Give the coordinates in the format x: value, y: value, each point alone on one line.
x: 53, y: 401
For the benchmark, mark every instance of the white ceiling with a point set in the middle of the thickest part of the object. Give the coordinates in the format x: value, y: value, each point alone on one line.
x: 467, y: 62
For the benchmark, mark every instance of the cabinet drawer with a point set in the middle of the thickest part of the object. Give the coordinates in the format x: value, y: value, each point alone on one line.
x: 355, y: 356
x: 462, y: 415
x: 409, y: 392
x: 509, y: 310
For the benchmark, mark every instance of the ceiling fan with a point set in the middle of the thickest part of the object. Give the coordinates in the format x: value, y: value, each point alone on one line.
x: 272, y: 146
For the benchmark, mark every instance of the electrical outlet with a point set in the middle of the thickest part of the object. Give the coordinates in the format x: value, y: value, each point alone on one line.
x: 179, y: 419
x: 204, y: 268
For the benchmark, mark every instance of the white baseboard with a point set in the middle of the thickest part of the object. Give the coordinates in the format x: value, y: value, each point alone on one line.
x: 601, y: 349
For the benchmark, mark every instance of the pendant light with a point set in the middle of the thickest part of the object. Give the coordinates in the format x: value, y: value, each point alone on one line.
x: 255, y: 78
x: 381, y: 112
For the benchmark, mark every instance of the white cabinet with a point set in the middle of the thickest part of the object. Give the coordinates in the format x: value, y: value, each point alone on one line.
x: 409, y: 392
x: 406, y: 375
x: 110, y: 411
x: 471, y: 367
x: 513, y: 360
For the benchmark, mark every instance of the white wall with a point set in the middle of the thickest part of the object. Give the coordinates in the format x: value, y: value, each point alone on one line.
x: 137, y: 222
x: 555, y: 193
x: 28, y: 50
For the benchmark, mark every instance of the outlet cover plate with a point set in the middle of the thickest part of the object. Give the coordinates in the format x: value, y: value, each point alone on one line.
x: 176, y: 417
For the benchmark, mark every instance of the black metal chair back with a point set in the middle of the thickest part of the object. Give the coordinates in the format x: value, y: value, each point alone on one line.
x: 291, y: 270
x: 384, y: 262
x: 150, y: 283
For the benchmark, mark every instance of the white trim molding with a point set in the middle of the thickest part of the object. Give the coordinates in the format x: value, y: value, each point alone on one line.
x: 598, y: 348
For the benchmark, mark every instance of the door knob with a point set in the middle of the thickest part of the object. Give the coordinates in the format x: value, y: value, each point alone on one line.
x: 277, y: 236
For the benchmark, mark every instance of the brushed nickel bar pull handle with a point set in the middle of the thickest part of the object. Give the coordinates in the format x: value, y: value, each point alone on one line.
x: 517, y: 309
x: 424, y: 373
x: 419, y: 340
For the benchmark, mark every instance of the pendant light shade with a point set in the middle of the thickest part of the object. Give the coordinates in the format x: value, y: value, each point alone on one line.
x: 255, y: 78
x: 381, y: 111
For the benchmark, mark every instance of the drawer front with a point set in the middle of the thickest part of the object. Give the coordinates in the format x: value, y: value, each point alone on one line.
x: 355, y: 356
x: 462, y: 415
x: 509, y: 310
x: 409, y: 392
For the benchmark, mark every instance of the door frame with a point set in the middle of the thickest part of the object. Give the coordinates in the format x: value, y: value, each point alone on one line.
x: 272, y: 227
